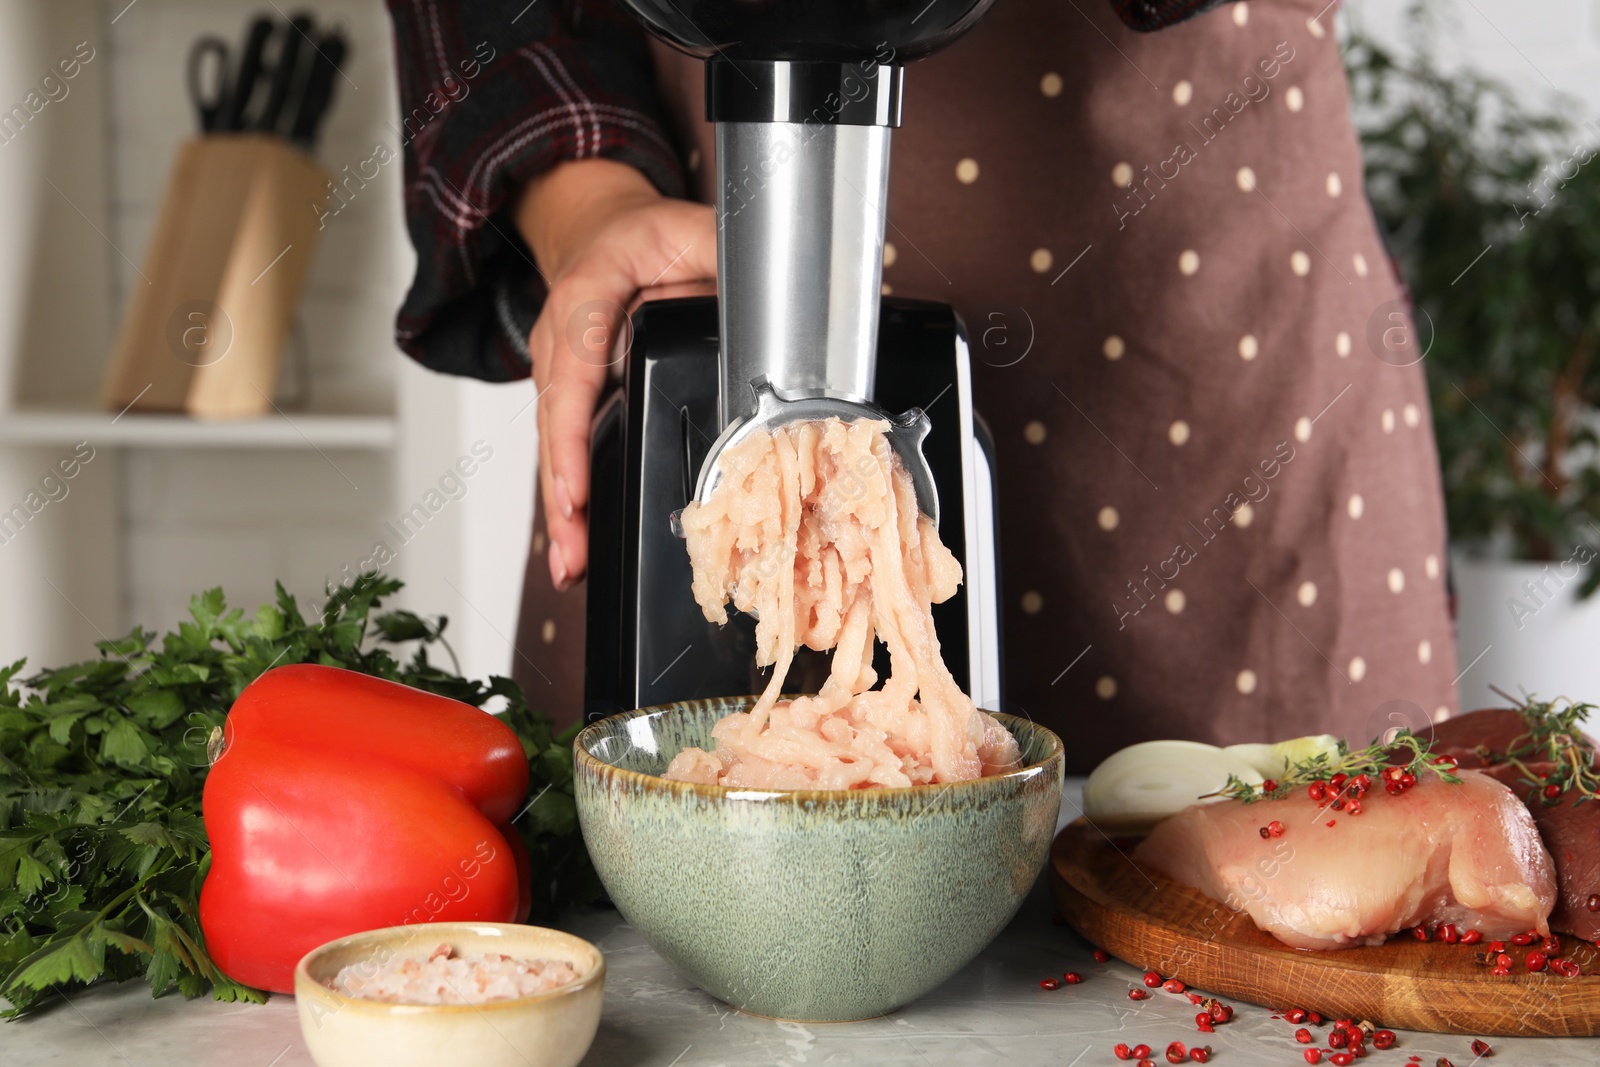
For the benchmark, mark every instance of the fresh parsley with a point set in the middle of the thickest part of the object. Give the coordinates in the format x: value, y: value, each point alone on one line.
x: 102, y: 846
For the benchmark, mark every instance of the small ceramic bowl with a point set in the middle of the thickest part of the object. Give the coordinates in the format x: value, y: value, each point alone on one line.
x: 552, y: 1029
x: 813, y: 906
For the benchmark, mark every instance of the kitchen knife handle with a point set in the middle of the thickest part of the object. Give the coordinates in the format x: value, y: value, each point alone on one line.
x: 249, y: 72
x: 318, y: 95
x: 285, y: 67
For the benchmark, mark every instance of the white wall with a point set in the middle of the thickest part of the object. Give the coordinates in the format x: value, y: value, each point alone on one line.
x: 239, y: 518
x: 467, y: 562
x: 59, y: 575
x: 243, y: 519
x: 1538, y: 47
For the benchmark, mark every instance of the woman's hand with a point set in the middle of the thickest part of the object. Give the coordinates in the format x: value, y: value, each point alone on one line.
x: 600, y: 233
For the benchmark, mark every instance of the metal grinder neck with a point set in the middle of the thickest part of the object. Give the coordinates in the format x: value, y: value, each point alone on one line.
x: 803, y: 180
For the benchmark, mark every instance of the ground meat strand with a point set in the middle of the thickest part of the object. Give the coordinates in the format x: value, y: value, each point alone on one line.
x: 814, y: 529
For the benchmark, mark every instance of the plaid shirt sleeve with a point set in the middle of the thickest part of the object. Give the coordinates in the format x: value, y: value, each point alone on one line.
x: 494, y: 92
x: 1148, y: 15
x: 491, y: 94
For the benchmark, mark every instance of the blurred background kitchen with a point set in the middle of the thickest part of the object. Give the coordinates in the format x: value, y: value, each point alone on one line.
x: 358, y: 448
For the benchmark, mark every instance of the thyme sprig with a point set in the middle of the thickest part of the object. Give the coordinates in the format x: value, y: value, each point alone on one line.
x: 1415, y: 752
x: 1555, y: 736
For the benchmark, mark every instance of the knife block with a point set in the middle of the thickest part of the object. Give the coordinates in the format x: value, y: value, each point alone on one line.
x: 209, y: 313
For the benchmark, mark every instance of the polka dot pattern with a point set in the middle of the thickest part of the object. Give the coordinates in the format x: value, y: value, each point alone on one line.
x: 1306, y: 594
x: 1245, y: 681
x: 1105, y: 687
x: 1050, y: 84
x: 1249, y: 347
x: 1241, y: 13
x: 1188, y: 261
x: 1397, y: 580
x: 1178, y: 432
x: 1034, y: 433
x: 1108, y: 518
x: 1182, y: 93
x: 547, y: 632
x: 1359, y: 262
x: 1341, y: 344
x: 1244, y: 515
x: 1113, y: 347
x: 1300, y: 263
x: 1293, y: 98
x: 1302, y: 429
x: 1356, y: 506
x: 1175, y: 601
x: 1430, y: 566
x: 1413, y: 415
x: 890, y: 253
x: 1121, y: 175
x: 1245, y: 179
x: 967, y: 171
x: 1358, y: 669
x: 1334, y: 185
x: 1032, y: 602
x: 1040, y: 260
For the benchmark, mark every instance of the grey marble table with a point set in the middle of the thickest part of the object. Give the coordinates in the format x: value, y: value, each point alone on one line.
x: 993, y: 1012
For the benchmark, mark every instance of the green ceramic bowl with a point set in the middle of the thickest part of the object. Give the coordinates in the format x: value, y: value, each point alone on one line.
x: 815, y: 906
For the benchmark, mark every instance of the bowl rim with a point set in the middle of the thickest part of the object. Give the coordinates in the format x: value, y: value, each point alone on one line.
x: 585, y: 760
x: 304, y: 983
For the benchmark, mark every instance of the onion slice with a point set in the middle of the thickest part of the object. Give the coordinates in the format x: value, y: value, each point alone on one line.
x: 1137, y: 787
x: 1272, y: 760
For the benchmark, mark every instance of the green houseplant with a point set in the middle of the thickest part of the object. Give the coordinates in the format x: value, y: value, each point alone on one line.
x: 1492, y: 208
x: 1493, y: 211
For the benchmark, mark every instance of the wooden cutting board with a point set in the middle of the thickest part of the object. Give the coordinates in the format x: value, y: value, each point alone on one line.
x: 1156, y: 924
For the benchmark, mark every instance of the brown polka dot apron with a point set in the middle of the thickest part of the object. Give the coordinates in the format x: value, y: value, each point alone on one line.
x: 1220, y: 513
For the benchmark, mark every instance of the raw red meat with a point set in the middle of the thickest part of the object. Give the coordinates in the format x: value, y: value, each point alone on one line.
x: 1571, y: 832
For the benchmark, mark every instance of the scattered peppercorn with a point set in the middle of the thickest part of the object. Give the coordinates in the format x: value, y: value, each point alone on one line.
x: 1072, y: 978
x: 1172, y: 985
x: 1303, y: 1036
x: 1383, y: 1039
x: 1049, y: 983
x: 1101, y: 955
x: 1313, y: 1055
x: 1481, y: 1047
x: 1201, y: 1054
x: 1138, y: 994
x: 1152, y: 979
x: 1122, y: 1052
x: 1176, y: 1052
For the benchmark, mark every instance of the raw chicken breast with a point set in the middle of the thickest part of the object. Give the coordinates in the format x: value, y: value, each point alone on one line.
x: 1467, y: 854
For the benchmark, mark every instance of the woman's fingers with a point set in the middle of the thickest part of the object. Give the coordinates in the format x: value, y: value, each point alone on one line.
x: 578, y: 341
x: 583, y: 332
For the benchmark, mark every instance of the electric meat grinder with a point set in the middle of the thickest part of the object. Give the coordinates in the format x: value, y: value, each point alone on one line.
x: 804, y: 94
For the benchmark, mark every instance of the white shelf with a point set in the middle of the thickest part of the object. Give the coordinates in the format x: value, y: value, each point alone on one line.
x: 291, y: 430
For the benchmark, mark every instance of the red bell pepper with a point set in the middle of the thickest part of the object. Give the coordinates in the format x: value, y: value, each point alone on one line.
x: 343, y: 803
